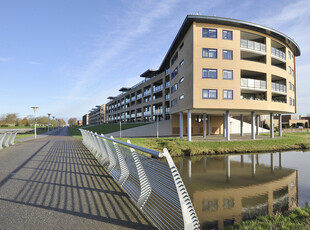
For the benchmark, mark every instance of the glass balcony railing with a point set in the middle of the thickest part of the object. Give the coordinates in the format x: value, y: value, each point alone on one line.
x: 139, y: 96
x: 251, y: 45
x: 157, y: 88
x: 147, y: 113
x: 127, y: 101
x: 167, y: 97
x: 133, y: 98
x: 168, y: 84
x: 133, y: 115
x: 147, y: 92
x: 167, y: 110
x: 253, y: 84
x: 278, y: 53
x: 127, y: 116
x: 158, y: 111
x: 278, y: 87
x: 139, y: 114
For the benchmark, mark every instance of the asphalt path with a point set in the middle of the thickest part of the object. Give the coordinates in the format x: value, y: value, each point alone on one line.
x: 56, y: 183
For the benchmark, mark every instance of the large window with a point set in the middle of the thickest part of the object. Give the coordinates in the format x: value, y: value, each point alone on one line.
x: 209, y: 33
x: 209, y: 53
x: 174, y: 102
x: 209, y: 73
x: 227, y: 74
x: 175, y: 57
x: 227, y: 94
x: 227, y: 34
x: 174, y: 73
x: 227, y: 54
x: 209, y: 94
x: 174, y: 88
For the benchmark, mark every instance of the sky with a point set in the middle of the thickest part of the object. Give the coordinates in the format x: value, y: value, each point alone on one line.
x: 67, y: 56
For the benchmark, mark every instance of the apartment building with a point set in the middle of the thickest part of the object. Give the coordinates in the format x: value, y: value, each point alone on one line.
x: 97, y: 115
x: 85, y: 119
x: 215, y: 68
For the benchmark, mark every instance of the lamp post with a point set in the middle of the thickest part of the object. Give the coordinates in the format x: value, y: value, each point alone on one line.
x: 48, y: 123
x: 35, y: 121
x: 53, y: 121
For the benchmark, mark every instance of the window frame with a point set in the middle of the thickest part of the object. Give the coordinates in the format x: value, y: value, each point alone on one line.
x: 227, y: 31
x: 181, y: 97
x: 181, y: 80
x: 208, y: 71
x: 208, y: 92
x: 174, y: 88
x: 172, y: 102
x: 206, y: 33
x: 232, y: 74
x: 232, y: 54
x: 207, y: 50
x: 181, y: 63
x: 232, y: 94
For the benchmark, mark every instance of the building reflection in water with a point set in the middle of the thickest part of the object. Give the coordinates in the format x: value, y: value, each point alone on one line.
x: 229, y: 189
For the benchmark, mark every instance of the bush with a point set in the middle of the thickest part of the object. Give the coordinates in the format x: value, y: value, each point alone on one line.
x: 266, y: 126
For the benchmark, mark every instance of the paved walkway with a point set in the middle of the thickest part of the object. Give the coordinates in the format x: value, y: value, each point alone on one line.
x: 56, y: 183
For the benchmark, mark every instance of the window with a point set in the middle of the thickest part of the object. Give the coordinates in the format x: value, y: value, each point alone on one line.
x: 209, y: 73
x: 209, y: 33
x: 227, y: 54
x: 227, y: 34
x: 227, y: 94
x: 174, y: 102
x: 293, y: 87
x: 181, y: 46
x: 174, y: 88
x: 227, y: 74
x: 290, y: 85
x: 289, y: 70
x: 292, y: 72
x: 174, y: 73
x: 175, y: 57
x: 181, y: 80
x: 290, y: 101
x: 181, y: 97
x: 209, y: 53
x: 181, y: 63
x: 289, y: 55
x: 293, y: 102
x: 209, y: 94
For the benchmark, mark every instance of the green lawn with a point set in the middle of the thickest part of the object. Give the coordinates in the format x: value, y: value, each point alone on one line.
x: 297, y: 219
x: 103, y: 129
x: 30, y: 133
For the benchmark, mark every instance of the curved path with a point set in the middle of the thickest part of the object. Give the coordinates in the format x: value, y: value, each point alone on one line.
x: 56, y: 183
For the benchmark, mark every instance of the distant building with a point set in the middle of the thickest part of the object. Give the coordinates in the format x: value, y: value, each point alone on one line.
x: 97, y: 115
x: 85, y: 119
x: 290, y: 120
x: 79, y: 122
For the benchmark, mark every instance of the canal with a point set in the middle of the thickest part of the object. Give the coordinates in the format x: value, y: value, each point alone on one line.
x: 228, y: 189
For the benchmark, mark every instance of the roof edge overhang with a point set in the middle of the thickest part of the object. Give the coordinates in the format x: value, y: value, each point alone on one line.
x: 149, y: 73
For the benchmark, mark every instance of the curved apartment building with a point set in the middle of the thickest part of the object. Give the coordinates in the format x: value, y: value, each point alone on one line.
x: 215, y: 68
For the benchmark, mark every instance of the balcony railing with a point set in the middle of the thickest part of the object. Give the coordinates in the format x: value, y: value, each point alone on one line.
x: 157, y: 88
x: 147, y: 113
x: 139, y: 114
x: 167, y: 110
x: 278, y: 53
x: 167, y: 97
x: 133, y: 115
x: 278, y: 87
x: 251, y: 45
x: 127, y: 101
x: 133, y: 98
x: 168, y: 84
x: 147, y: 92
x: 157, y: 111
x: 253, y: 84
x: 139, y: 96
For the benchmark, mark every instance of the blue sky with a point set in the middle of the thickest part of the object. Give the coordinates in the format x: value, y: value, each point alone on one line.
x: 67, y: 56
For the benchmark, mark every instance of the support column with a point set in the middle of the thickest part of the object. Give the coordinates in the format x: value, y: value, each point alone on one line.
x: 271, y: 126
x: 271, y: 163
x: 189, y: 171
x: 209, y: 125
x: 204, y: 125
x: 257, y: 124
x: 227, y: 125
x: 181, y: 124
x: 280, y: 160
x: 252, y: 126
x: 224, y: 126
x: 280, y: 125
x: 253, y: 165
x: 189, y: 125
x: 241, y: 125
x: 227, y: 159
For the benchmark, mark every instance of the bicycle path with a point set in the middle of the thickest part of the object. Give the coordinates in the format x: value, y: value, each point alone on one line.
x: 56, y: 183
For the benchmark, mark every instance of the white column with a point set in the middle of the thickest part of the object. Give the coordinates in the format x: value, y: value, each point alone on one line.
x: 241, y: 125
x: 204, y: 125
x: 280, y: 125
x: 227, y: 159
x: 209, y: 125
x: 181, y: 124
x: 227, y: 125
x: 224, y: 126
x: 257, y: 124
x: 271, y: 126
x: 252, y: 126
x: 189, y: 125
x: 253, y: 165
x: 189, y: 171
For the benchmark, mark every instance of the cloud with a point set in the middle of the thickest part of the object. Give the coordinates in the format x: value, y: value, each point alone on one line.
x: 34, y: 63
x: 5, y: 59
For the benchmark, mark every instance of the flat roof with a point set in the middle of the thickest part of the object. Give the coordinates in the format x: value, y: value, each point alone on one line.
x: 148, y: 73
x: 229, y: 22
x: 124, y: 89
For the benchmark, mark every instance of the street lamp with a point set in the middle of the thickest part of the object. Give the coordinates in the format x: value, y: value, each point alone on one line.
x: 35, y: 121
x: 53, y: 121
x: 48, y: 124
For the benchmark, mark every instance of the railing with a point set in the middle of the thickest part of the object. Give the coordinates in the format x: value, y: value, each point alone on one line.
x: 167, y: 84
x: 157, y: 111
x: 157, y: 88
x: 278, y: 53
x: 147, y: 113
x: 139, y: 114
x: 167, y: 97
x: 147, y: 92
x: 253, y: 83
x: 139, y: 96
x: 278, y: 87
x: 167, y: 110
x: 154, y: 185
x: 251, y: 45
x: 7, y: 139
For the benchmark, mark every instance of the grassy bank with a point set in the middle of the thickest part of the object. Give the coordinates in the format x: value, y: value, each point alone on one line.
x: 297, y: 219
x: 30, y: 133
x: 180, y: 147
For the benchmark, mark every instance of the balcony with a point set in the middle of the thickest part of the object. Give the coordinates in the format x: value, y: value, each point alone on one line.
x: 127, y: 116
x: 139, y: 96
x: 253, y: 46
x: 253, y: 84
x: 278, y: 88
x: 133, y: 98
x: 139, y: 114
x: 147, y: 92
x: 167, y: 97
x: 157, y: 88
x: 127, y: 101
x: 278, y: 54
x: 167, y: 110
x: 133, y: 115
x: 158, y: 111
x: 167, y: 84
x: 147, y: 113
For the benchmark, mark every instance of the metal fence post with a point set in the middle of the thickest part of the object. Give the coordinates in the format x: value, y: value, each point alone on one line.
x: 2, y: 137
x: 13, y: 138
x: 7, y: 140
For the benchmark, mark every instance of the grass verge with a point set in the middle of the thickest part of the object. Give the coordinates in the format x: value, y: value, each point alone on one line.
x: 297, y: 219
